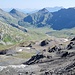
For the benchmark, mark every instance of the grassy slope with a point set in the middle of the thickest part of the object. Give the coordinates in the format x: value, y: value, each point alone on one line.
x: 24, y: 55
x: 15, y: 36
x: 66, y: 33
x: 39, y: 33
x: 11, y: 33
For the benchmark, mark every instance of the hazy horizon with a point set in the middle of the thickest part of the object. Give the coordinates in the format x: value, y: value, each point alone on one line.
x: 39, y: 4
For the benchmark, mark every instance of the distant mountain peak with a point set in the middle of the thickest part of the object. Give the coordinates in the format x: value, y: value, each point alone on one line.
x: 13, y: 11
x: 17, y: 14
x: 1, y: 10
x: 44, y: 10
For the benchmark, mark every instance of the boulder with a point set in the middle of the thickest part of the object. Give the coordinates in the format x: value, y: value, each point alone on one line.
x: 71, y: 45
x: 30, y: 45
x: 53, y: 49
x: 44, y: 42
x: 62, y: 53
x: 73, y: 39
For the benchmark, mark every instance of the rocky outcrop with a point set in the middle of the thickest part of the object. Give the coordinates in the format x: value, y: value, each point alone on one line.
x: 62, y: 54
x: 19, y: 27
x: 2, y: 52
x: 34, y: 59
x: 56, y: 48
x: 53, y: 49
x: 73, y: 39
x: 71, y: 45
x: 30, y: 45
x: 44, y: 42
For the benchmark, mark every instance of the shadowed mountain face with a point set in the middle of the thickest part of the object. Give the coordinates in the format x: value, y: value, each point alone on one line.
x: 39, y: 18
x: 61, y: 19
x: 64, y: 18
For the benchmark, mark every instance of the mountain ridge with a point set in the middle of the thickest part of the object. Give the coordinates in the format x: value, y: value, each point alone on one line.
x: 64, y: 18
x: 6, y: 17
x: 39, y: 18
x: 61, y: 19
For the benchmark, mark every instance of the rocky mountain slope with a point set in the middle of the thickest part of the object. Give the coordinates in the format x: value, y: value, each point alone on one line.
x: 33, y: 55
x: 53, y: 57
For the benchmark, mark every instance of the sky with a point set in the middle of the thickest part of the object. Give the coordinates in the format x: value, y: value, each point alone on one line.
x: 36, y: 4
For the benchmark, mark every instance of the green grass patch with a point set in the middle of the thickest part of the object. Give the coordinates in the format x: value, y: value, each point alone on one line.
x: 3, y: 47
x: 65, y: 33
x: 25, y: 55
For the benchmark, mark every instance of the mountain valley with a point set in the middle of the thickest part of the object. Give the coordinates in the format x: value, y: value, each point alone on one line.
x: 39, y: 43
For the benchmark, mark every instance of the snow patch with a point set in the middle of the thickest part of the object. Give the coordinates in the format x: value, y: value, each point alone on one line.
x: 65, y: 40
x: 18, y: 66
x: 28, y: 48
x: 20, y: 50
